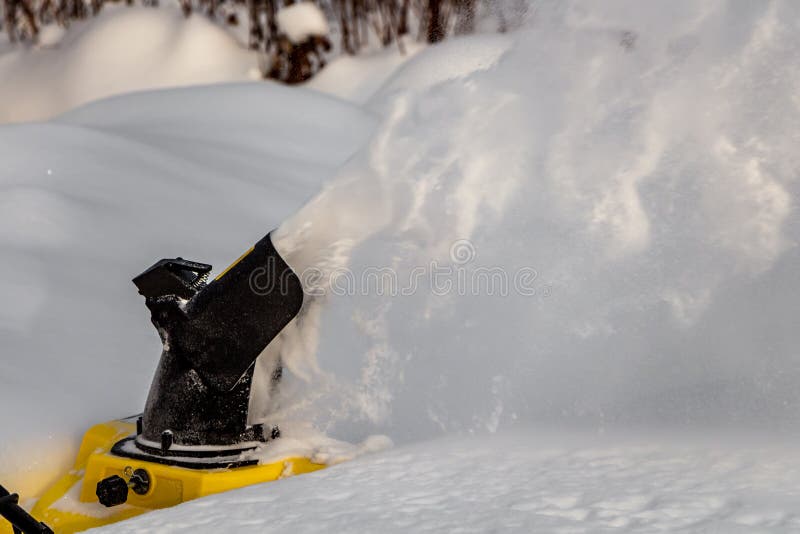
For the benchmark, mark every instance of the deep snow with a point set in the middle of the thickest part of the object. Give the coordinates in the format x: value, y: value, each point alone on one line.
x: 134, y: 48
x: 531, y: 482
x: 636, y: 160
x: 92, y: 199
x: 122, y: 49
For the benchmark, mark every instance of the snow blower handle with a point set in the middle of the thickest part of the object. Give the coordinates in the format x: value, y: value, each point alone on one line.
x: 21, y: 521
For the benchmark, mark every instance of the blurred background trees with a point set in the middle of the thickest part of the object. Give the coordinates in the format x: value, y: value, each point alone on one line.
x: 293, y: 38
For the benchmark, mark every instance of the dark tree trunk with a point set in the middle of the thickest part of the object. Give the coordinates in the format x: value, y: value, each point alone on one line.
x: 402, y: 24
x: 272, y: 24
x: 344, y: 23
x: 435, y: 22
x: 45, y: 12
x: 387, y: 17
x: 10, y: 19
x: 256, y: 31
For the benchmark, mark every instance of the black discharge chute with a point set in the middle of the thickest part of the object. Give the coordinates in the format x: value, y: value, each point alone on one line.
x: 194, y: 434
x: 212, y: 334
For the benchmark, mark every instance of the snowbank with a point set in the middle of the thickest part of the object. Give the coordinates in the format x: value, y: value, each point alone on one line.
x: 371, y: 77
x: 92, y: 199
x: 135, y: 48
x: 358, y: 78
x: 123, y: 49
x: 302, y: 20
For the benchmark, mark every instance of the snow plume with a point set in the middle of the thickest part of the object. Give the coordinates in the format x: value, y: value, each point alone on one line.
x: 638, y: 161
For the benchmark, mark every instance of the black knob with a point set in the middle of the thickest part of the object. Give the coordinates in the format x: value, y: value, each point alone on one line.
x: 112, y: 491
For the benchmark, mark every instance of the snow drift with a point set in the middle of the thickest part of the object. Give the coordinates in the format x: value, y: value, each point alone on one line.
x: 91, y: 200
x: 123, y: 49
x: 135, y: 48
x: 301, y: 21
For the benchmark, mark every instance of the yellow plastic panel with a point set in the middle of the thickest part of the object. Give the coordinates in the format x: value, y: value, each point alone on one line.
x: 70, y: 505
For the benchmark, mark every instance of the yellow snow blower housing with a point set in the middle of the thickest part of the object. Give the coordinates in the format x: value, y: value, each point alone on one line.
x: 193, y: 438
x: 71, y: 504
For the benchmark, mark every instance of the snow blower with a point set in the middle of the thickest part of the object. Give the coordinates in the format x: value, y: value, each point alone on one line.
x: 193, y: 438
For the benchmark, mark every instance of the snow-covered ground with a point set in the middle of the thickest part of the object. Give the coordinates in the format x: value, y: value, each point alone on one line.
x: 629, y: 169
x: 519, y: 482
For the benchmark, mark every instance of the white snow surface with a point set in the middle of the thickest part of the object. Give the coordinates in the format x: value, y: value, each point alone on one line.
x: 629, y: 167
x: 133, y: 48
x: 122, y: 49
x: 517, y: 482
x: 301, y: 21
